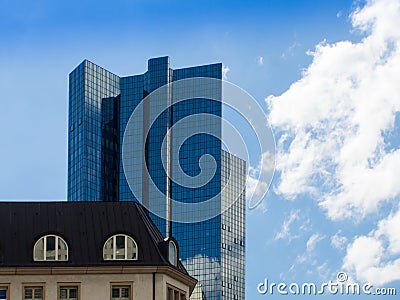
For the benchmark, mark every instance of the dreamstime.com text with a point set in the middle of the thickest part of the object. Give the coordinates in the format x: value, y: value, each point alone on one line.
x: 337, y: 287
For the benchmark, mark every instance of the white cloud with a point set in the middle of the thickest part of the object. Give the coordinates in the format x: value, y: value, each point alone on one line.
x: 333, y: 124
x: 338, y: 241
x: 308, y: 255
x: 375, y: 258
x: 260, y: 60
x: 225, y: 70
x: 266, y: 164
x: 285, y: 230
x: 256, y: 187
x: 313, y: 241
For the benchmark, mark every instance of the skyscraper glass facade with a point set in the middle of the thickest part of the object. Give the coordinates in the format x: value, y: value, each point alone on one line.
x: 101, y: 105
x: 233, y: 231
x: 89, y: 84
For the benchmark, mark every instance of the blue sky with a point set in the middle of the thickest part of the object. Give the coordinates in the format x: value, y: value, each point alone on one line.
x: 335, y: 113
x: 43, y: 41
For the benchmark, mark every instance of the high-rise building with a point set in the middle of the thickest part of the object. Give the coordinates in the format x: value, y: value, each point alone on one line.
x: 150, y: 157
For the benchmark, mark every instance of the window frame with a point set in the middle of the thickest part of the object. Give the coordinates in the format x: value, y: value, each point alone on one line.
x: 61, y: 285
x: 168, y: 242
x: 33, y: 286
x: 128, y: 284
x: 57, y: 240
x: 175, y: 254
x: 114, y: 248
x: 6, y: 286
x: 170, y: 288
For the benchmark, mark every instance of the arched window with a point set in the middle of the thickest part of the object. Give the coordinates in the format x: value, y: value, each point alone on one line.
x: 172, y: 253
x: 50, y: 247
x: 120, y: 247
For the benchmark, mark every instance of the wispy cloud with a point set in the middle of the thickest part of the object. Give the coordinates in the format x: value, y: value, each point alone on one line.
x: 290, y: 51
x: 313, y: 241
x: 338, y: 241
x: 260, y: 60
x: 308, y: 255
x: 284, y: 233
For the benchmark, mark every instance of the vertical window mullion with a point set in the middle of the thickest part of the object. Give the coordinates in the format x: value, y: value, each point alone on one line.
x: 45, y: 247
x: 126, y: 247
x: 114, y: 246
x: 56, y: 246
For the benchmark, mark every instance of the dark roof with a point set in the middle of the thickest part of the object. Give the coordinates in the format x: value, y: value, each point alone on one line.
x: 85, y: 226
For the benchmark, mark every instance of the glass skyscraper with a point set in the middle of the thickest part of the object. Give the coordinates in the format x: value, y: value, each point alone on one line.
x: 100, y: 108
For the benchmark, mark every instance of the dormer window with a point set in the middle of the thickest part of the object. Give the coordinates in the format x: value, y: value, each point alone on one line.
x: 120, y: 247
x: 50, y: 248
x: 172, y: 253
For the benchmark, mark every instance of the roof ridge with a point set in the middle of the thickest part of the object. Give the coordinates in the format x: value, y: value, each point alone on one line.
x: 152, y: 230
